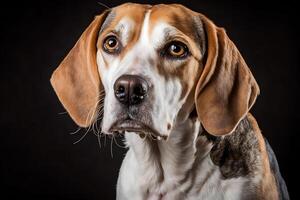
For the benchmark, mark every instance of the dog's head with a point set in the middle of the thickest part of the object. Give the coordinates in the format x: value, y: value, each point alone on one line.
x: 142, y: 68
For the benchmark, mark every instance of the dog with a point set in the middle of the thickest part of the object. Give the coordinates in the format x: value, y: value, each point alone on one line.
x: 178, y: 88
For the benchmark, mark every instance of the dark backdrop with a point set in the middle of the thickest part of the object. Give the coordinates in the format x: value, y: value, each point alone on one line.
x: 38, y: 158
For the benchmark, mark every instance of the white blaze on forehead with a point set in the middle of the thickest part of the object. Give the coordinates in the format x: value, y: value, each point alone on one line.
x: 125, y: 29
x: 144, y: 38
x: 136, y: 60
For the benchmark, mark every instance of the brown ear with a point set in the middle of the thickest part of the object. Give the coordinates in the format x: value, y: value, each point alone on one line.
x: 226, y: 89
x: 76, y: 80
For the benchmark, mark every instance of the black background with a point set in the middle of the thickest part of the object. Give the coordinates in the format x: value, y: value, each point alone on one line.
x: 38, y: 158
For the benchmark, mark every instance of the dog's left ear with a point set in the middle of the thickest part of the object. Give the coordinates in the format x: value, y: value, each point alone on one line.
x: 226, y: 89
x: 76, y: 81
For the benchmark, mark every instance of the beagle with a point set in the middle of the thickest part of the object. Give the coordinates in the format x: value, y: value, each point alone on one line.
x: 178, y: 88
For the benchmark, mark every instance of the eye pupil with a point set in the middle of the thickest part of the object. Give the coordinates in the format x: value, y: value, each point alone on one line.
x: 175, y: 48
x: 112, y: 42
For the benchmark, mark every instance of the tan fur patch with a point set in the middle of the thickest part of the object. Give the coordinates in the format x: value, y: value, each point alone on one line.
x: 268, y: 189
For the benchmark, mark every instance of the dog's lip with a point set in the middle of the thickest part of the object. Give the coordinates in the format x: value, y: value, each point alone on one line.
x: 131, y: 125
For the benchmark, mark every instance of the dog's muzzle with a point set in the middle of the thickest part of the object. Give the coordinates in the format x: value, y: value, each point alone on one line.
x: 131, y: 91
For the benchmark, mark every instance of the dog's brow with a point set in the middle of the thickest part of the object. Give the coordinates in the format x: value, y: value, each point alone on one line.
x: 164, y: 32
x: 124, y: 29
x: 110, y: 17
x: 170, y: 32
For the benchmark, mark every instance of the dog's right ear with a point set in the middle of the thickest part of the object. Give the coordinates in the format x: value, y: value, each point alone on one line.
x: 76, y: 81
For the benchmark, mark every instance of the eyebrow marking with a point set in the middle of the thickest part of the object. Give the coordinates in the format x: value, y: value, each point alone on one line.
x: 125, y: 29
x: 200, y: 33
x: 170, y: 33
x: 110, y: 17
x: 163, y: 32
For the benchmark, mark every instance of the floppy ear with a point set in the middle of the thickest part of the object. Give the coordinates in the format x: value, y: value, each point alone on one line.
x: 76, y: 80
x: 226, y: 89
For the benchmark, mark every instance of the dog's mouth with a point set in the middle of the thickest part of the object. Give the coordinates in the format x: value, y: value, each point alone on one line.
x: 135, y: 126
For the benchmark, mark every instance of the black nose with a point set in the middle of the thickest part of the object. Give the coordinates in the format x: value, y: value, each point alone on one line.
x: 130, y: 89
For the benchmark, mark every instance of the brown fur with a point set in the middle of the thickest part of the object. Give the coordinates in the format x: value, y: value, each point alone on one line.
x: 267, y: 188
x: 76, y: 81
x: 226, y: 89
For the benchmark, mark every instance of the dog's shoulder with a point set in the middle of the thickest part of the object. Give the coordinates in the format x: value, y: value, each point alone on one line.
x: 246, y: 152
x: 236, y: 154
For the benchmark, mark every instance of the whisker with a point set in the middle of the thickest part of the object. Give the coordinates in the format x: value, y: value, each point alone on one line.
x: 111, y: 150
x: 94, y: 114
x: 97, y: 128
x: 89, y: 128
x: 74, y: 132
x: 98, y: 125
x: 81, y: 137
x: 102, y: 4
x: 99, y: 139
x: 104, y: 139
x: 62, y: 113
x: 89, y: 118
x: 115, y: 140
x: 99, y: 119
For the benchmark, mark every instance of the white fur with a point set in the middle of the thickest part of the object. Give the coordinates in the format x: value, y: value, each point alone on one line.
x: 174, y: 169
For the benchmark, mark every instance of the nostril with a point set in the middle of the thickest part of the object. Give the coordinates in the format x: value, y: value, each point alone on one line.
x: 135, y: 99
x: 138, y: 94
x: 139, y: 90
x: 120, y: 89
x: 121, y: 93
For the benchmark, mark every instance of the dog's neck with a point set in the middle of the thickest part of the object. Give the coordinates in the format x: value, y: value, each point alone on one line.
x: 188, y: 144
x: 173, y: 157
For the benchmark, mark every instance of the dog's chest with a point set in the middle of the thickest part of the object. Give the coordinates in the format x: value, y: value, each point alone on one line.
x: 203, y: 182
x: 207, y: 185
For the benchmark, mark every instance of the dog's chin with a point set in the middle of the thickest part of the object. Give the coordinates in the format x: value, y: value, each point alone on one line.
x: 135, y: 126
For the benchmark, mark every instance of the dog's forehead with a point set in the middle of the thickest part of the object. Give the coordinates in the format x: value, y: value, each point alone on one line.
x: 177, y: 16
x: 126, y: 13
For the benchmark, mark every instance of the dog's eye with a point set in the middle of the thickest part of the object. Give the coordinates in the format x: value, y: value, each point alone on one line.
x: 111, y: 44
x: 177, y: 49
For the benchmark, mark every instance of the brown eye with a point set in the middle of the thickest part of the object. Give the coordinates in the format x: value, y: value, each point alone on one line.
x: 111, y: 44
x: 177, y: 50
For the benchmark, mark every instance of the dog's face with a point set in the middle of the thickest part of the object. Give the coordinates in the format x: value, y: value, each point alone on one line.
x: 155, y: 64
x: 149, y: 61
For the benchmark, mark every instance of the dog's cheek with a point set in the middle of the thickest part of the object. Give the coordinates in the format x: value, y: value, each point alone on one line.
x: 166, y: 104
x: 107, y: 67
x: 102, y: 69
x: 158, y: 111
x: 108, y: 114
x: 174, y: 99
